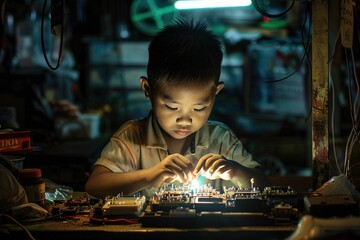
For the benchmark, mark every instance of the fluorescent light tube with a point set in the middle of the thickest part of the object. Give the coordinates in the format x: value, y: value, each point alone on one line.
x: 198, y: 4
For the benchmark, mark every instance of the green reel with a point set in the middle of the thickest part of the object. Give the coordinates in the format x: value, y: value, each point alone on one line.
x: 150, y: 16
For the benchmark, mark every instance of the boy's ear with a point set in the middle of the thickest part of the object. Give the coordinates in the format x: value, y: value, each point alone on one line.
x: 219, y: 86
x: 145, y: 86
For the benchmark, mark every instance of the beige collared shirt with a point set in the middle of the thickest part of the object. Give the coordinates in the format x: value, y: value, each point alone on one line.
x: 139, y: 144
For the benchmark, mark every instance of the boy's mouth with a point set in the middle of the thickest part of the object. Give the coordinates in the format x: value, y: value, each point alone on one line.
x: 182, y: 132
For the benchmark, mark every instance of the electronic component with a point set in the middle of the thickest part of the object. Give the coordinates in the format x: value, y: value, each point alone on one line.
x: 284, y: 214
x: 319, y: 205
x: 279, y: 195
x: 81, y: 205
x: 206, y: 198
x: 210, y: 203
x: 244, y: 200
x: 123, y: 206
x: 167, y: 200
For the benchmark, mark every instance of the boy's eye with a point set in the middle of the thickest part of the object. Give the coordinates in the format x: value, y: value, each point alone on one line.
x: 199, y: 109
x: 171, y: 108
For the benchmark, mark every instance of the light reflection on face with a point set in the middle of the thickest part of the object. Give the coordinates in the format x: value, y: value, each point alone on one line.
x: 183, y: 110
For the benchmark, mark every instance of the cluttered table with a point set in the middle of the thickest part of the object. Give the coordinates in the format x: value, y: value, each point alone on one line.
x: 80, y: 228
x: 135, y: 217
x: 278, y: 212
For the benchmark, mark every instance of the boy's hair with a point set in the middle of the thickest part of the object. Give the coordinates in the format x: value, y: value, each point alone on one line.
x: 183, y: 53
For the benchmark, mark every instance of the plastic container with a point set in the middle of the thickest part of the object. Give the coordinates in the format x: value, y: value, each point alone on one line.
x: 34, y: 185
x: 17, y: 161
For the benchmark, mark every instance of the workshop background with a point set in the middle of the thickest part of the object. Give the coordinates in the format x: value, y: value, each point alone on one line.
x: 266, y: 70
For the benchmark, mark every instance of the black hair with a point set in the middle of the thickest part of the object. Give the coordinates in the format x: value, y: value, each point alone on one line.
x: 183, y: 53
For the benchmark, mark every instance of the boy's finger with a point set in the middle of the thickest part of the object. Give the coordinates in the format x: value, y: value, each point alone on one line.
x: 201, y: 163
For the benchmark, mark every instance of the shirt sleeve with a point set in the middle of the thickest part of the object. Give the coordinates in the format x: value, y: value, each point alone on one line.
x: 238, y: 153
x: 233, y: 149
x: 119, y: 154
x: 12, y: 192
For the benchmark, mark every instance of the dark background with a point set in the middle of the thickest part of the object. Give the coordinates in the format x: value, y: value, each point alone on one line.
x: 104, y: 54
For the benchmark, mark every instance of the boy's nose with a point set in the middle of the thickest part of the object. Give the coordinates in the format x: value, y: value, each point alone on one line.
x: 184, y: 120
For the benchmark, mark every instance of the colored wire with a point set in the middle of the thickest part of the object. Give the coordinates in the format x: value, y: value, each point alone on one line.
x: 106, y: 220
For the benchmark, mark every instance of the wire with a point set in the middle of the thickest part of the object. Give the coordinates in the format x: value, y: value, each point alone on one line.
x: 266, y: 14
x: 19, y: 224
x: 116, y: 220
x: 305, y: 55
x: 105, y: 220
x: 42, y: 40
x: 352, y: 167
x: 354, y: 110
x: 288, y: 76
x: 333, y: 102
x: 305, y: 46
x: 300, y: 62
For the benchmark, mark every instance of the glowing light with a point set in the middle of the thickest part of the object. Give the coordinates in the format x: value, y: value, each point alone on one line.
x: 252, y: 181
x: 198, y: 4
x: 195, y: 184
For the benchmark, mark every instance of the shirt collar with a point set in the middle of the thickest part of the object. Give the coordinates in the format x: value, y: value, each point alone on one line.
x: 155, y: 139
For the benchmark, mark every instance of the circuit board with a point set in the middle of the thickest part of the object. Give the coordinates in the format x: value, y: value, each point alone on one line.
x: 183, y: 206
x: 205, y: 206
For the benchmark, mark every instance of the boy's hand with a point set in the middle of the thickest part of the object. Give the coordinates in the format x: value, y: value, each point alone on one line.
x: 174, y: 167
x: 215, y: 166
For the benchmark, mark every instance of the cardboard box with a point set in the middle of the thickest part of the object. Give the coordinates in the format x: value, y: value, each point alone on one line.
x: 15, y: 141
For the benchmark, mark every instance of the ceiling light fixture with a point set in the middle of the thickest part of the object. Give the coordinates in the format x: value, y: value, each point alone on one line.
x: 198, y: 4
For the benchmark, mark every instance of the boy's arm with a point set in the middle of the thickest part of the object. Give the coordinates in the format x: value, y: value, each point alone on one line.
x: 103, y: 182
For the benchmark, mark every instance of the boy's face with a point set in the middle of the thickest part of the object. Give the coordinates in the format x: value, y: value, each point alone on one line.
x: 182, y: 110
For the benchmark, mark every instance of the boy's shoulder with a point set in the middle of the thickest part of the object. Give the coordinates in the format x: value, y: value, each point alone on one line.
x: 217, y: 128
x: 216, y: 124
x: 135, y: 122
x: 133, y: 125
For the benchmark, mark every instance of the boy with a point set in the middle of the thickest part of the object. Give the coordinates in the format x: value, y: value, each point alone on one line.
x: 176, y: 141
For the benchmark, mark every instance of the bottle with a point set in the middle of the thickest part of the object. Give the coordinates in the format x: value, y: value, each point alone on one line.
x: 34, y: 185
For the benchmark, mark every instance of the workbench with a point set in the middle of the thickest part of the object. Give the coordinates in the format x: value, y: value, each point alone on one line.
x: 81, y: 229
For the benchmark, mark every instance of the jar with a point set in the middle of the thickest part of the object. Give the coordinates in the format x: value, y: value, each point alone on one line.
x: 34, y: 185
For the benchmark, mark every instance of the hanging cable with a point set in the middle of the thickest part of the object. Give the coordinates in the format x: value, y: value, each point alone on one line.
x: 42, y: 40
x: 305, y: 55
x: 333, y: 101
